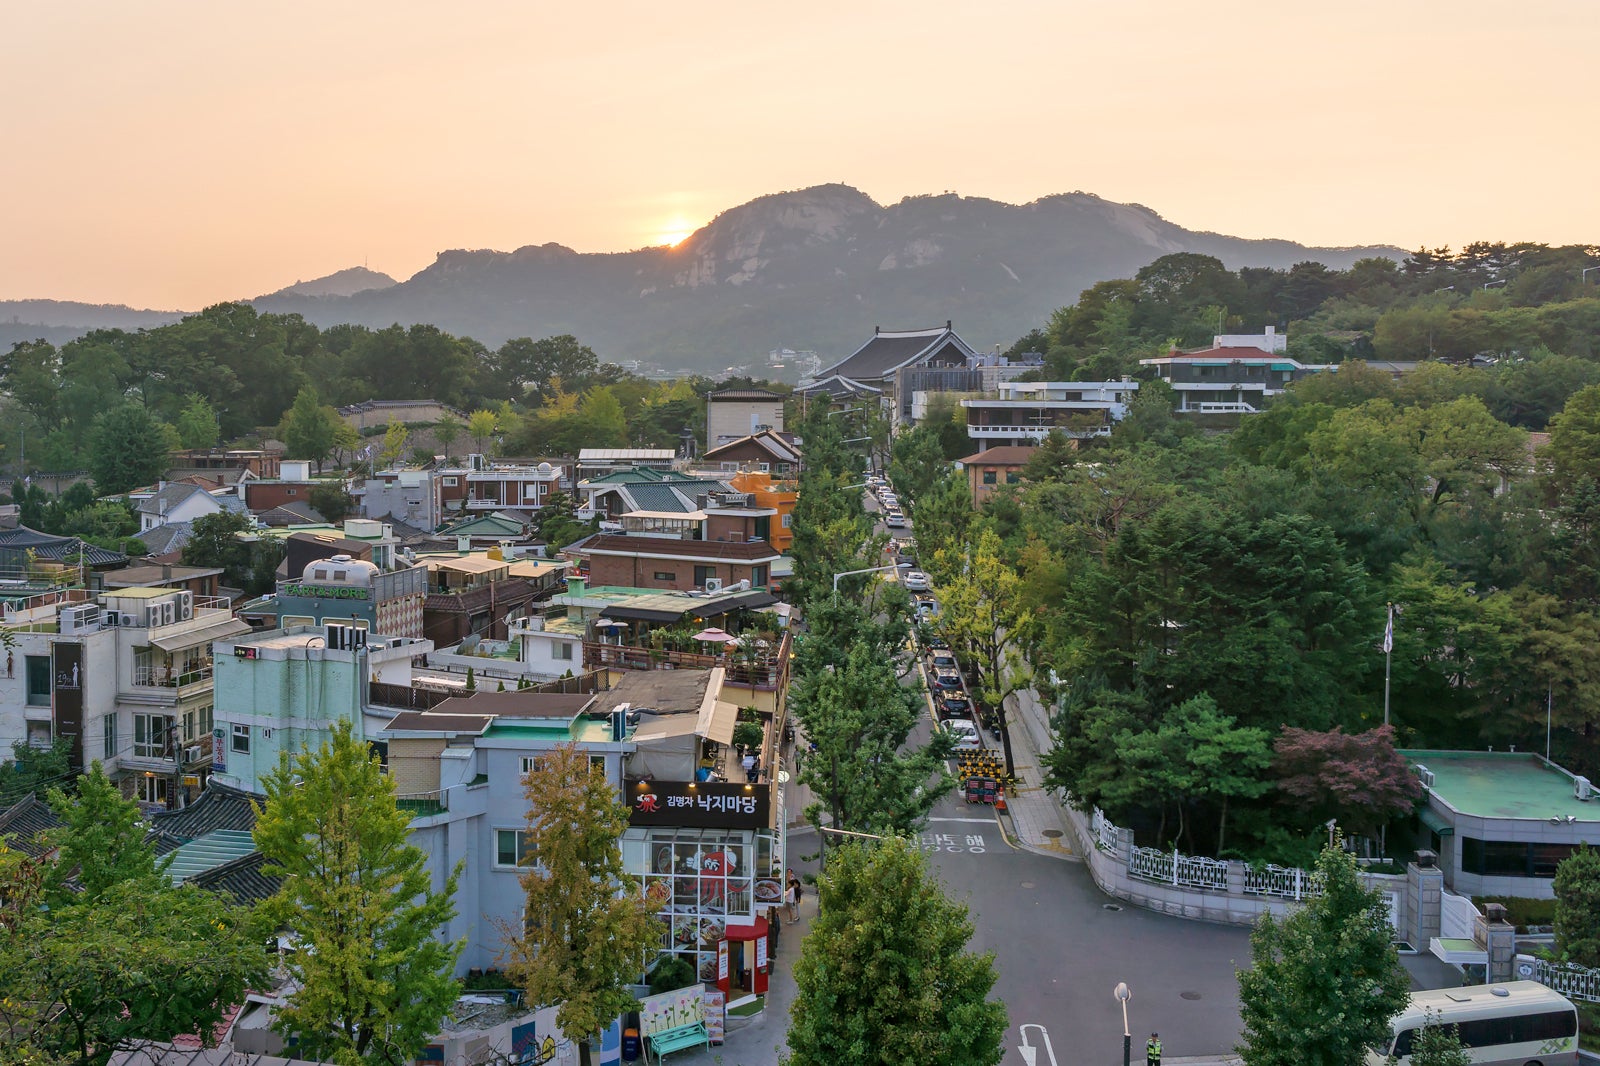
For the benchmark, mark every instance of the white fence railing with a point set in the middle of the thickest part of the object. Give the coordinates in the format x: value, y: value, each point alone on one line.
x: 1574, y: 982
x: 1197, y: 871
x: 1458, y: 916
x: 1106, y: 835
x: 1283, y: 882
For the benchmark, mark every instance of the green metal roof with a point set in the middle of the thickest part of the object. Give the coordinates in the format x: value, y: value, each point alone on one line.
x: 1437, y: 824
x: 208, y: 852
x: 1503, y: 785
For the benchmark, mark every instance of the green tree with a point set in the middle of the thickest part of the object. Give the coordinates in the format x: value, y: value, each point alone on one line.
x: 393, y: 447
x: 100, y: 840
x: 1436, y: 1045
x: 587, y: 925
x: 528, y: 369
x: 447, y: 431
x: 1325, y: 980
x: 214, y: 541
x: 603, y: 417
x: 481, y: 426
x: 127, y: 448
x: 32, y: 769
x: 375, y: 980
x: 197, y: 423
x: 885, y: 976
x: 1574, y: 448
x: 309, y: 428
x: 331, y: 501
x: 1577, y: 923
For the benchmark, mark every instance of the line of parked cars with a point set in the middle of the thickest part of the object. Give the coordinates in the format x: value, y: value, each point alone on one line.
x: 952, y: 704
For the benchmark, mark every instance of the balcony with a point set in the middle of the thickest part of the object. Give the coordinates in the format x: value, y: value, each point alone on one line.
x: 754, y: 669
x: 185, y: 679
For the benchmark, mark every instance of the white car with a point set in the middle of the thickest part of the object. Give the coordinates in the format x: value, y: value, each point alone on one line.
x: 965, y: 733
x: 915, y: 581
x: 895, y: 520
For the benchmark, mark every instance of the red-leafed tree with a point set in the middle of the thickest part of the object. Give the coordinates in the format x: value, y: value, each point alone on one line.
x: 1357, y: 778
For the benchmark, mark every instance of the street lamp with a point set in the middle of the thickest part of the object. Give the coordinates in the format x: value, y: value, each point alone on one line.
x: 849, y: 573
x: 1123, y: 994
x: 1584, y: 274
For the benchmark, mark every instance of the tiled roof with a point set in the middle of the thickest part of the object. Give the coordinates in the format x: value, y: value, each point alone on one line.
x: 513, y: 704
x: 291, y: 514
x: 208, y: 852
x: 167, y: 537
x: 839, y: 388
x: 782, y: 450
x: 676, y: 498
x: 219, y: 807
x: 54, y: 549
x: 732, y: 395
x: 724, y: 551
x: 242, y: 878
x: 888, y: 350
x: 1006, y: 455
x: 169, y: 496
x: 23, y: 822
x: 637, y: 476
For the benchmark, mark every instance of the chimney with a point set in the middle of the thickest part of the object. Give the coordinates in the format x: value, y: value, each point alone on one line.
x: 947, y: 323
x: 166, y: 572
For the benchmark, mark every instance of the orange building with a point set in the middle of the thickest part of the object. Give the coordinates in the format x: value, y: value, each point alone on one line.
x: 780, y: 495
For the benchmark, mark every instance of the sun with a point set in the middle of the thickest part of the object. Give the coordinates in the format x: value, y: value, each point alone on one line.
x: 674, y: 231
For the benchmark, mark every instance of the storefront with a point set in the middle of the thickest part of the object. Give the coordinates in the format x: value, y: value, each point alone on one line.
x: 706, y: 852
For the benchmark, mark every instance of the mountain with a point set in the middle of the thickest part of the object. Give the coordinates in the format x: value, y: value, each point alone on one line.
x: 817, y: 269
x: 345, y: 282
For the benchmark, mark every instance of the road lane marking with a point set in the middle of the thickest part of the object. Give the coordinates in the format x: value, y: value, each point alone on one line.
x: 980, y: 821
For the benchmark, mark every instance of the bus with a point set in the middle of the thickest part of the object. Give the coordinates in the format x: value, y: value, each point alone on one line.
x: 1518, y: 1023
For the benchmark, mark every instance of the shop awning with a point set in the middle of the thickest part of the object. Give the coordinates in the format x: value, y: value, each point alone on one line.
x: 717, y: 720
x: 193, y: 638
x: 624, y: 613
x: 1432, y: 820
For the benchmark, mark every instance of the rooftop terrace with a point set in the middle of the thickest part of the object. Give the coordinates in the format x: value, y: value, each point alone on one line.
x: 1503, y: 785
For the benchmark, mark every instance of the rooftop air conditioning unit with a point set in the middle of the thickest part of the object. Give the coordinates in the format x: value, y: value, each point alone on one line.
x: 84, y: 618
x: 152, y: 614
x: 185, y: 605
x: 713, y: 584
x: 1426, y: 775
x: 1582, y: 789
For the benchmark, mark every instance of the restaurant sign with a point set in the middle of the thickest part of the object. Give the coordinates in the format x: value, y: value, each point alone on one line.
x: 711, y: 804
x: 325, y: 592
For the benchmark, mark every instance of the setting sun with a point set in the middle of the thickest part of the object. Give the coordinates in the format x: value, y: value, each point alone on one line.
x: 674, y: 231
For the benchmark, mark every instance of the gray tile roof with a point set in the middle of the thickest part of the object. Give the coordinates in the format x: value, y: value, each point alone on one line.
x: 170, y: 495
x: 17, y: 542
x: 219, y: 807
x: 242, y: 878
x: 167, y: 537
x: 887, y: 351
x: 22, y: 823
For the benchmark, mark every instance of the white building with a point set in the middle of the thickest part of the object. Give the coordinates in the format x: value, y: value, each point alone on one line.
x: 1025, y: 412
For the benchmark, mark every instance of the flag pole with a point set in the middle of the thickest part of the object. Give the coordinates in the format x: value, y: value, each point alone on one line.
x: 1388, y: 655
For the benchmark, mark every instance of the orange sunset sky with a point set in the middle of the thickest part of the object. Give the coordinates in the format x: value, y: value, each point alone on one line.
x: 174, y: 154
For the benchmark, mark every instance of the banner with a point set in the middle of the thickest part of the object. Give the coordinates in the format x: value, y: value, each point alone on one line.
x: 66, y: 698
x: 704, y: 804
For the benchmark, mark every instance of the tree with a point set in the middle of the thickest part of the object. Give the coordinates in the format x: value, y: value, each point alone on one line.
x: 1437, y: 1045
x: 481, y: 426
x: 1357, y: 778
x: 525, y: 368
x: 885, y: 976
x: 1325, y: 980
x: 375, y: 978
x: 197, y: 423
x: 127, y: 448
x: 214, y: 541
x: 331, y: 502
x: 308, y: 429
x: 100, y: 840
x: 32, y: 769
x: 587, y: 926
x: 1577, y: 888
x: 395, y: 435
x: 447, y: 431
x: 1574, y: 448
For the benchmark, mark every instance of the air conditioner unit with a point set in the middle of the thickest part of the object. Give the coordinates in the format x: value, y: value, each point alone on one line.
x: 186, y: 605
x: 84, y: 618
x: 191, y: 753
x: 152, y: 614
x: 112, y: 618
x: 1582, y: 789
x: 713, y: 584
x: 336, y: 637
x: 129, y: 620
x: 357, y: 637
x: 169, y: 613
x: 1426, y: 775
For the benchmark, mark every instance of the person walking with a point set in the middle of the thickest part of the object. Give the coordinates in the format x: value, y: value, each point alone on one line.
x: 792, y: 898
x: 1152, y: 1050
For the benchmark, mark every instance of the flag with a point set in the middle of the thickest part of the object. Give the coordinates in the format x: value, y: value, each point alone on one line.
x: 1388, y: 632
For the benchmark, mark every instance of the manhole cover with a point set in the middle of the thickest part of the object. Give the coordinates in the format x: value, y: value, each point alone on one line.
x: 1029, y: 884
x: 1111, y: 906
x: 1052, y: 833
x: 1188, y: 995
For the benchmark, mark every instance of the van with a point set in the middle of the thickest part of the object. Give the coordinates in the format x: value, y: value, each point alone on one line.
x: 1517, y: 1023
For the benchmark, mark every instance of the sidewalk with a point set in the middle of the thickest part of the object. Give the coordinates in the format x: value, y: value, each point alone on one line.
x: 1035, y: 821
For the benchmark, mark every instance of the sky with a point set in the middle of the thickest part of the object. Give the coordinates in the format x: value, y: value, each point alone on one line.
x: 173, y: 154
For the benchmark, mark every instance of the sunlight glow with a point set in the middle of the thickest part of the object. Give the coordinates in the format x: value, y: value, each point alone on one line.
x: 674, y: 231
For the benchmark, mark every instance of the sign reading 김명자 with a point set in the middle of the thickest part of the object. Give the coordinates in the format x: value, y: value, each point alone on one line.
x: 714, y: 804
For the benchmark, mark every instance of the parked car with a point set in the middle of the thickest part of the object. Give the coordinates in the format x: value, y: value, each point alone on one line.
x: 954, y: 705
x: 965, y: 733
x: 895, y: 520
x: 943, y: 660
x: 926, y: 609
x: 915, y: 580
x: 936, y: 643
x: 947, y: 680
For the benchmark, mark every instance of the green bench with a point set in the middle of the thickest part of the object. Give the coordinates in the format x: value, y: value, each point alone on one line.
x: 679, y: 1037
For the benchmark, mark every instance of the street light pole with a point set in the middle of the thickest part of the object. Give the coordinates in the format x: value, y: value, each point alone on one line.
x: 850, y: 573
x: 1123, y: 994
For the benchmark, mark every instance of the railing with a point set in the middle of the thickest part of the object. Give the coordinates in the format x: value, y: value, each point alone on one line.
x: 1458, y: 916
x: 1106, y: 835
x: 1574, y: 982
x: 170, y: 677
x: 1175, y: 868
x: 423, y: 804
x: 1284, y: 882
x: 760, y: 670
x: 1212, y: 407
x: 407, y: 698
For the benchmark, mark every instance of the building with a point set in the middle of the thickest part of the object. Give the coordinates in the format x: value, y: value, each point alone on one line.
x: 1231, y: 378
x: 1025, y: 412
x: 675, y: 564
x: 1500, y: 822
x: 774, y: 493
x: 427, y: 498
x: 481, y: 594
x: 175, y: 502
x: 898, y: 363
x: 991, y: 468
x: 767, y: 451
x: 225, y: 466
x: 201, y: 580
x: 597, y: 462
x: 735, y: 413
x: 293, y: 486
x: 351, y: 592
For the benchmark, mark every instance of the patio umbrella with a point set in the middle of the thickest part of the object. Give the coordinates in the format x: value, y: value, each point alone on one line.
x: 714, y: 636
x: 610, y: 623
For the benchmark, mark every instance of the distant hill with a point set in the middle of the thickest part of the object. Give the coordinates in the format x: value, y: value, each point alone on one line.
x: 817, y: 269
x: 345, y: 282
x: 813, y: 269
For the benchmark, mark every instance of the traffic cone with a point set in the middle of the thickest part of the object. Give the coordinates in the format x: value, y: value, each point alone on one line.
x: 1000, y: 803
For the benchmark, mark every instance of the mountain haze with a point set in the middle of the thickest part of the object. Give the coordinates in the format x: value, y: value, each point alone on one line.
x: 817, y: 268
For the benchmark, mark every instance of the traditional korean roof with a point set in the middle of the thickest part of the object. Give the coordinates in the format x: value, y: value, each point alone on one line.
x: 1005, y: 455
x: 241, y: 878
x: 56, y: 549
x: 23, y: 823
x: 838, y: 387
x: 747, y: 395
x: 167, y: 538
x: 889, y: 350
x: 781, y: 449
x: 219, y: 807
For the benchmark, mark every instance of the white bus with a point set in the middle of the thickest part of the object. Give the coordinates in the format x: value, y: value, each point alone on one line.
x: 1519, y: 1023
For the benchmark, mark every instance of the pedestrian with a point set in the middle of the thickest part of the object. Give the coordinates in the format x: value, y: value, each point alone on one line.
x: 749, y: 763
x: 793, y: 899
x: 1152, y: 1050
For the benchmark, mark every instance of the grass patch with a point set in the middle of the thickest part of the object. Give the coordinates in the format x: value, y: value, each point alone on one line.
x: 748, y: 1009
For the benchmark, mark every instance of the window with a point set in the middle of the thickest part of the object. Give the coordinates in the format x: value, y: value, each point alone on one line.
x: 38, y: 669
x: 152, y: 735
x: 110, y: 748
x: 664, y: 575
x: 1512, y: 1029
x: 758, y: 576
x: 288, y: 492
x: 151, y: 788
x: 597, y: 765
x: 989, y: 477
x: 764, y: 468
x: 451, y: 482
x: 196, y: 723
x: 241, y: 740
x: 702, y: 574
x: 788, y: 520
x: 512, y: 847
x: 1506, y: 858
x: 530, y: 763
x: 1012, y: 477
x: 563, y: 650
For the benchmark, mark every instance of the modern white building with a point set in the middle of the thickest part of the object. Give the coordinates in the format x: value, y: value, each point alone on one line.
x: 1026, y: 412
